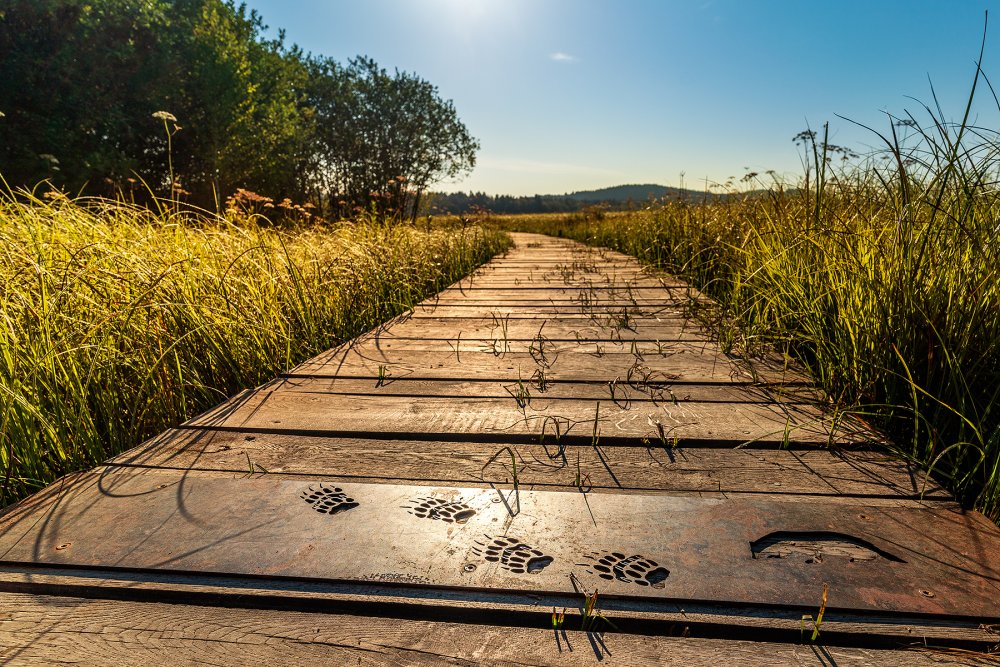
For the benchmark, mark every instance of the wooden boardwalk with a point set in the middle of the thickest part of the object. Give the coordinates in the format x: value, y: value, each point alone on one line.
x: 553, y: 426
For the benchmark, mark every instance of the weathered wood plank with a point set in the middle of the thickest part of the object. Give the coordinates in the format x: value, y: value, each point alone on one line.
x: 548, y: 276
x: 679, y: 365
x: 595, y: 305
x: 565, y: 292
x: 711, y: 424
x: 647, y: 289
x: 624, y: 394
x: 653, y: 468
x: 538, y: 280
x: 602, y: 316
x: 64, y: 630
x: 700, y: 549
x: 499, y: 329
x: 459, y: 343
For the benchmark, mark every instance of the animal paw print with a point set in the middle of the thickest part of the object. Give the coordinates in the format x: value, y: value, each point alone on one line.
x: 630, y: 569
x: 448, y: 511
x: 328, y: 499
x: 512, y: 554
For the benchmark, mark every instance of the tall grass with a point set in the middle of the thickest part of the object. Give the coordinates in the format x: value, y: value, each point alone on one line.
x: 881, y: 275
x: 116, y: 322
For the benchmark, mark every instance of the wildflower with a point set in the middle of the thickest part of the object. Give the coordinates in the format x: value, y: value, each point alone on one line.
x: 48, y: 157
x: 165, y: 116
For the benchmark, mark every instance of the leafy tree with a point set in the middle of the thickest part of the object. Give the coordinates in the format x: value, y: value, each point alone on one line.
x: 383, y: 139
x: 77, y: 82
x: 241, y: 102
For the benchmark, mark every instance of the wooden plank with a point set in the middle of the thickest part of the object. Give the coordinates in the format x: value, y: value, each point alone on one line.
x: 65, y: 630
x: 660, y: 309
x: 579, y: 296
x: 683, y: 366
x: 546, y: 298
x: 564, y: 270
x: 493, y: 420
x: 511, y: 278
x: 554, y: 391
x: 565, y: 254
x: 540, y: 342
x: 646, y: 289
x: 622, y: 276
x: 521, y: 290
x: 603, y: 315
x: 700, y: 549
x: 585, y: 260
x: 603, y: 318
x: 659, y: 305
x: 653, y: 468
x: 582, y: 330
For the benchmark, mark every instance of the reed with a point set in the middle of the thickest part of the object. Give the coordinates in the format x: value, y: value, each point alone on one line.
x: 117, y: 322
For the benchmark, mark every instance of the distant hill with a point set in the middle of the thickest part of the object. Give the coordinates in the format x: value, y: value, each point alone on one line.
x: 622, y: 193
x: 617, y: 197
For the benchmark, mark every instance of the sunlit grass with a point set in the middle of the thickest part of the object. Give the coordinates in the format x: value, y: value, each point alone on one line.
x: 116, y: 323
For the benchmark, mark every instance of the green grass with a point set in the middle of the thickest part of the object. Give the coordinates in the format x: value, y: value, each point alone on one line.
x: 116, y: 323
x: 882, y: 276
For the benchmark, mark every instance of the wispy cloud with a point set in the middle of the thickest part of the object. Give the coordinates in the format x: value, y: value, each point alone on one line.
x: 561, y: 57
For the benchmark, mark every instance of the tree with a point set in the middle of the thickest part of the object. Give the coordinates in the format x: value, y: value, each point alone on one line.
x: 241, y: 102
x: 78, y: 82
x: 384, y: 139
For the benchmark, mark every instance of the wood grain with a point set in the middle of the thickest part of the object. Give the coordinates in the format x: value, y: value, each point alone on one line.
x: 493, y: 420
x: 527, y: 329
x: 674, y: 365
x: 624, y: 393
x: 695, y: 470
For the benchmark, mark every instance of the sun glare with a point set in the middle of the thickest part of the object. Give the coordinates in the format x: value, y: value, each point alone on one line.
x: 470, y: 11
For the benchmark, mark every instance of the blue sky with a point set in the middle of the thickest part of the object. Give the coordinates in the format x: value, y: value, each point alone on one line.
x: 568, y: 95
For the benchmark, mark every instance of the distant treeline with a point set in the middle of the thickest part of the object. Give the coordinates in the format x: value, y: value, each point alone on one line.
x: 189, y: 98
x: 618, y: 198
x: 461, y: 202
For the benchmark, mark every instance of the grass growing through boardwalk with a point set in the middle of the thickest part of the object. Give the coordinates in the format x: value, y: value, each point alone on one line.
x: 882, y: 277
x: 116, y: 323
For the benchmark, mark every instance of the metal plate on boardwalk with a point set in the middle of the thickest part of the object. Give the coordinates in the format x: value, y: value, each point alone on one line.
x: 897, y: 559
